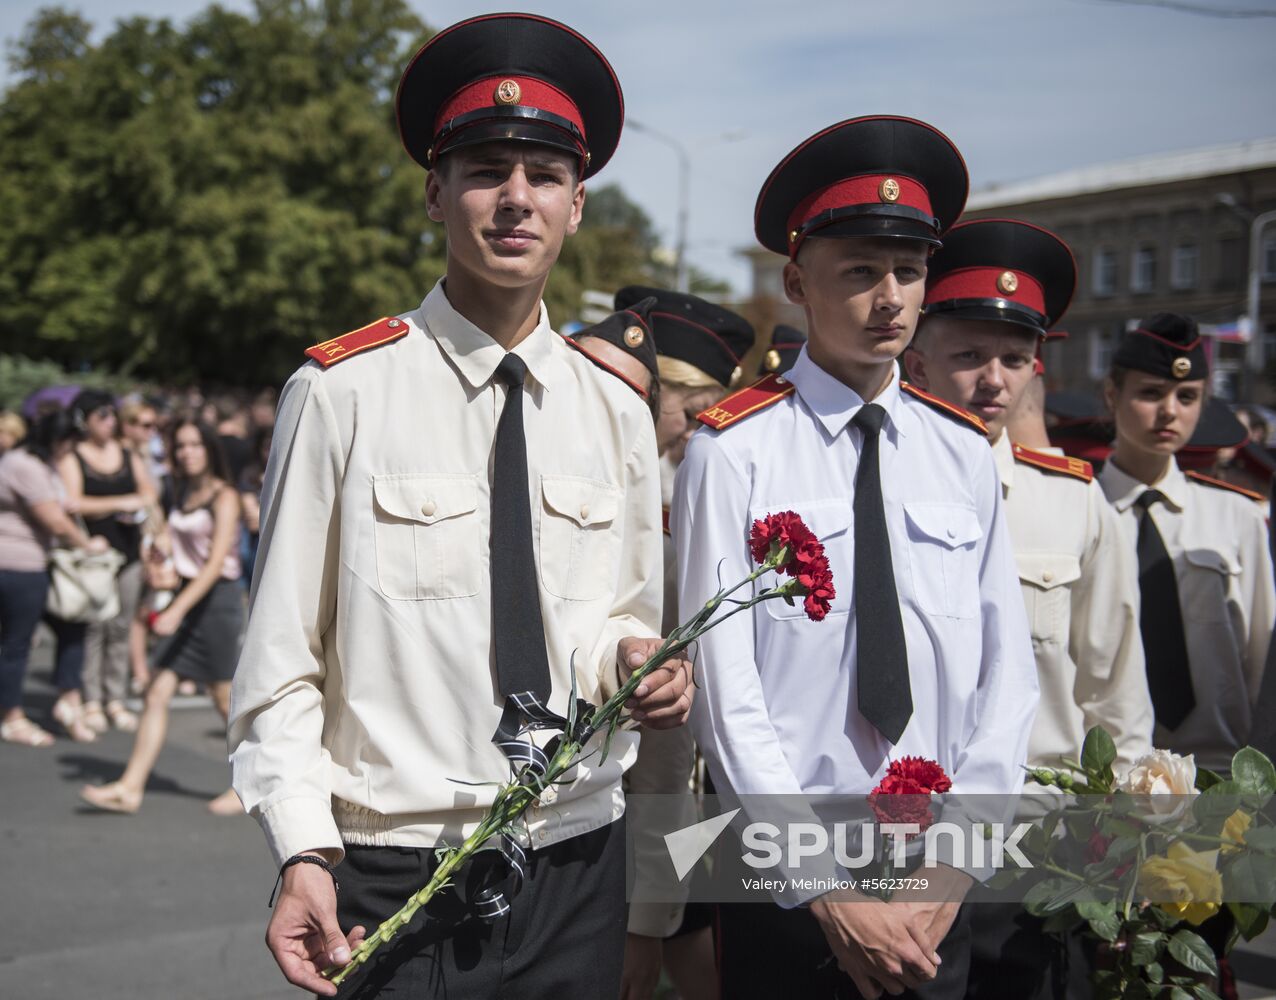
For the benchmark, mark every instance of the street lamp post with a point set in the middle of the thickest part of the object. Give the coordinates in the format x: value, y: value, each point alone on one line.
x: 682, y: 277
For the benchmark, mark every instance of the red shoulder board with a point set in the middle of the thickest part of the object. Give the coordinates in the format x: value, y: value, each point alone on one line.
x: 1219, y: 484
x: 946, y: 408
x: 642, y: 393
x: 750, y: 399
x: 664, y: 517
x: 1063, y: 464
x: 383, y: 331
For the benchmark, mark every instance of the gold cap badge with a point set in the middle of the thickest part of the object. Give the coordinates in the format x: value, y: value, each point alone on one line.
x: 736, y: 373
x: 508, y: 92
x: 888, y: 190
x: 1182, y: 367
x: 1007, y: 282
x: 772, y: 360
x: 634, y: 336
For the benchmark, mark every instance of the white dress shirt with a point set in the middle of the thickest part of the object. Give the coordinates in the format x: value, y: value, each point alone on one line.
x: 777, y: 708
x: 366, y: 692
x: 1218, y: 541
x: 1081, y: 591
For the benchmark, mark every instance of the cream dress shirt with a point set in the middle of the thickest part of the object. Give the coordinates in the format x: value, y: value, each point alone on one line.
x: 366, y: 692
x: 1080, y: 589
x: 1218, y: 541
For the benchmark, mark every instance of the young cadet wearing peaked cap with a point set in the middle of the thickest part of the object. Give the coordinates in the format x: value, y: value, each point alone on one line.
x: 992, y: 292
x: 1205, y: 572
x: 436, y: 552
x: 925, y: 650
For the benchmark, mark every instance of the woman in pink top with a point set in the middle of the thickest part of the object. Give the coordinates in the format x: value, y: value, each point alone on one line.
x: 33, y: 515
x: 199, y: 631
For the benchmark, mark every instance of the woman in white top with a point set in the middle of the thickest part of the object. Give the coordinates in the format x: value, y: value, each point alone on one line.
x: 199, y: 631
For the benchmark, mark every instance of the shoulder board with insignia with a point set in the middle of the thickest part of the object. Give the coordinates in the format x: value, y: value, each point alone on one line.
x: 383, y: 331
x: 642, y: 393
x: 765, y: 391
x: 664, y: 517
x: 1219, y: 484
x: 946, y: 408
x: 1062, y: 464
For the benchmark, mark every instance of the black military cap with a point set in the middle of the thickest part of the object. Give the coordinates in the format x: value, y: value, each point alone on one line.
x: 630, y: 330
x: 1168, y: 345
x: 1004, y: 270
x: 875, y: 176
x: 690, y: 329
x: 510, y: 77
x: 786, y: 344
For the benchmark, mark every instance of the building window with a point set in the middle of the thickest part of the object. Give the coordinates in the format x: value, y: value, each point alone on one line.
x: 1103, y: 279
x: 1184, y: 266
x: 1143, y: 269
x: 1269, y: 258
x: 1101, y: 345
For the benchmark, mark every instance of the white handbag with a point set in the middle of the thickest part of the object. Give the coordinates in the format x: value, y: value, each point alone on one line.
x: 82, y: 585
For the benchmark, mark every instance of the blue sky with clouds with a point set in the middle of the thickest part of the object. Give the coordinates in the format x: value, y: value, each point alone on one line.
x: 1023, y: 87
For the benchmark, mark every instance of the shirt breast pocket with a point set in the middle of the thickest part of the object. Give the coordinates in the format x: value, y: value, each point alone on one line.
x: 831, y: 522
x: 942, y: 557
x: 1206, y: 583
x: 1046, y: 579
x: 579, y: 541
x: 428, y: 540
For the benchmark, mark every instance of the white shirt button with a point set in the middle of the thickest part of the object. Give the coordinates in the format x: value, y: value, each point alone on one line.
x: 1047, y: 576
x: 584, y: 511
x: 428, y: 508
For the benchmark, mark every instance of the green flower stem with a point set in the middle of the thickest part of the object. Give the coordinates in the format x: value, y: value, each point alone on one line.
x: 514, y: 798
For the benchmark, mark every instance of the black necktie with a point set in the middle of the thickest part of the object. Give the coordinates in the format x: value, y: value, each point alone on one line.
x: 517, y: 629
x: 881, y: 658
x: 1161, y: 622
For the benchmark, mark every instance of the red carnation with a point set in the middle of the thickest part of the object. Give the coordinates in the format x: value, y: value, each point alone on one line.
x: 817, y: 580
x: 785, y: 529
x: 903, y: 794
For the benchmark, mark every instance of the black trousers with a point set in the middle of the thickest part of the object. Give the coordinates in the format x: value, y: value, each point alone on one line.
x: 1011, y: 956
x: 767, y: 953
x: 563, y: 937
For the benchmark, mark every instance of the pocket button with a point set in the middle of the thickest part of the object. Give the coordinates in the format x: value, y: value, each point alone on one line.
x: 428, y: 508
x: 1047, y: 576
x: 584, y: 511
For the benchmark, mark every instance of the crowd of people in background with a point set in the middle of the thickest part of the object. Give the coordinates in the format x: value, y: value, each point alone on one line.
x: 167, y: 482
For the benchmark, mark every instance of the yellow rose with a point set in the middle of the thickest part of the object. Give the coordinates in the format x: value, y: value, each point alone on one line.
x: 1185, y: 883
x: 1234, y: 830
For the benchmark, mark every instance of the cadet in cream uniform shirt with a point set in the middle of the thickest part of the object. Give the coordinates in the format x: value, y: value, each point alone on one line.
x: 365, y: 694
x: 1217, y: 540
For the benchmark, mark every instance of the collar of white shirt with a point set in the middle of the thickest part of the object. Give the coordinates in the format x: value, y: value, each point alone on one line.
x: 1127, y: 489
x: 1003, y: 455
x: 476, y: 354
x: 834, y: 403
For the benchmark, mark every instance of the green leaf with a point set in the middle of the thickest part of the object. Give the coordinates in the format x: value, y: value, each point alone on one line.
x: 1146, y: 947
x: 1189, y: 949
x: 1251, y: 920
x: 1261, y: 838
x: 1097, y: 754
x: 1154, y: 972
x: 1253, y: 772
x: 1052, y: 895
x: 1203, y: 992
x: 1063, y: 922
x: 1108, y: 926
x: 1206, y: 779
x: 1178, y: 993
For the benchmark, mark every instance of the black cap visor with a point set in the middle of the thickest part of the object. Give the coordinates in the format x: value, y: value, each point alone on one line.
x: 994, y: 310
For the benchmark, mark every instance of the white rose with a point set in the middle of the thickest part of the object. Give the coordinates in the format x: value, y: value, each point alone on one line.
x: 1167, y: 779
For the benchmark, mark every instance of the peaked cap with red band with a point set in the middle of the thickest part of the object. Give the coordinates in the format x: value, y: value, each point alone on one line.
x: 1001, y: 270
x: 1167, y: 345
x: 630, y: 330
x: 786, y: 344
x: 875, y: 176
x: 690, y: 329
x: 510, y: 78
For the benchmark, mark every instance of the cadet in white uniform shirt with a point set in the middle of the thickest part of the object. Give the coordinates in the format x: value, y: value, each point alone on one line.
x: 904, y: 493
x: 1204, y: 565
x: 459, y: 511
x: 991, y: 293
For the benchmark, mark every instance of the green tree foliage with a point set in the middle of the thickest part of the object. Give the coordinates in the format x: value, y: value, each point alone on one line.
x: 206, y: 201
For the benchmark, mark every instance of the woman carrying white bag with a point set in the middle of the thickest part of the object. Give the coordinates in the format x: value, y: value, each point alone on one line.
x: 33, y: 518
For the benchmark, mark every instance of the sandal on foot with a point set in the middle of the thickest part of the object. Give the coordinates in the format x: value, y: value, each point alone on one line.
x: 25, y: 733
x: 92, y: 716
x: 71, y: 718
x: 111, y: 798
x: 121, y: 718
x: 226, y: 804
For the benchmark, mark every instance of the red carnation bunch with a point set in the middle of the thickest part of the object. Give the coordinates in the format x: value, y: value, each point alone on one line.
x: 786, y: 535
x: 903, y: 794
